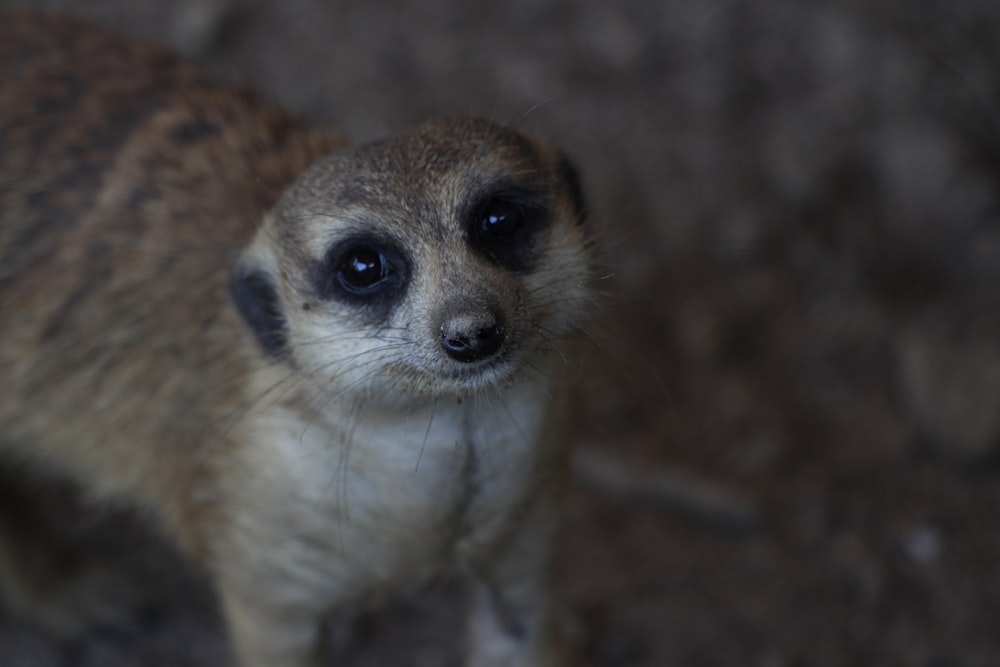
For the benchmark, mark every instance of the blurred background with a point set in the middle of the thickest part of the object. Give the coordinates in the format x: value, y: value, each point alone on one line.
x: 790, y: 395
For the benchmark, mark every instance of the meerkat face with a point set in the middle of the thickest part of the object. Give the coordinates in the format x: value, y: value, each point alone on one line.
x: 448, y: 259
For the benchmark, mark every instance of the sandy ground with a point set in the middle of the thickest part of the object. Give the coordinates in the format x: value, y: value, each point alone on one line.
x: 791, y: 396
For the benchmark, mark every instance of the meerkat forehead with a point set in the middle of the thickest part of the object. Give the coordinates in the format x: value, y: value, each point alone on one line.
x: 415, y: 180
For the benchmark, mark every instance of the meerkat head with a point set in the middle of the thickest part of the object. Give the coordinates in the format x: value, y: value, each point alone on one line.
x: 448, y: 259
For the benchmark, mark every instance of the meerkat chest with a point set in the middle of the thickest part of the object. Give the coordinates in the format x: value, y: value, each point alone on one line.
x: 459, y: 463
x: 409, y: 488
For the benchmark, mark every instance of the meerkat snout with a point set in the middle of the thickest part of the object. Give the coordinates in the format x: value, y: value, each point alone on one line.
x: 472, y: 332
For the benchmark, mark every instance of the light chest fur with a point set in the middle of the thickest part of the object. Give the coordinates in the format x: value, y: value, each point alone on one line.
x: 439, y: 481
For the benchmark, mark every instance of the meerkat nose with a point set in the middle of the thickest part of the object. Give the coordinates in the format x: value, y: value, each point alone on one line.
x: 472, y: 335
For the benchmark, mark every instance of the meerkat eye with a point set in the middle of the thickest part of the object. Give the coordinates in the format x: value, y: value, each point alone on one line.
x: 504, y: 226
x: 501, y: 220
x: 362, y: 269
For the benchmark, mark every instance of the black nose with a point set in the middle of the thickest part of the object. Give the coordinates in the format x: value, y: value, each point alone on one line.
x: 472, y: 336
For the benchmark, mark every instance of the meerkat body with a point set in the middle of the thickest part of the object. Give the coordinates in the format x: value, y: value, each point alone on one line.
x: 327, y: 372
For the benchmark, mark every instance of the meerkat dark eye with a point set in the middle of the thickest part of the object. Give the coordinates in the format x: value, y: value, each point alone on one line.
x: 362, y: 270
x: 501, y: 220
x: 504, y: 227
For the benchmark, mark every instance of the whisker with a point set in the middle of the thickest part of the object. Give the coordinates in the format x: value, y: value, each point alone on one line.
x: 427, y: 433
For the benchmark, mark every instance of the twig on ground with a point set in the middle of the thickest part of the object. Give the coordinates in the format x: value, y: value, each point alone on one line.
x: 664, y: 490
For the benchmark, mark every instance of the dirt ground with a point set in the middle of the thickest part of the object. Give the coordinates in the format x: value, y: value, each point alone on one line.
x: 790, y: 400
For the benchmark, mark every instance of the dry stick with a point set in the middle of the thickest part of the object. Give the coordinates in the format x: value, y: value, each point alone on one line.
x: 696, y: 500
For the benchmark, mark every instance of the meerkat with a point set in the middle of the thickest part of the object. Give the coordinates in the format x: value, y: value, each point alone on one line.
x: 326, y: 371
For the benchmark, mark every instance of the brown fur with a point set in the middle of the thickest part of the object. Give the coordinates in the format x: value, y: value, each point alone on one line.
x: 97, y: 204
x: 131, y: 187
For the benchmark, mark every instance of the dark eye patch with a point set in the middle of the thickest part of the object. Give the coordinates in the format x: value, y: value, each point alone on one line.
x: 504, y: 225
x: 257, y: 301
x: 363, y: 270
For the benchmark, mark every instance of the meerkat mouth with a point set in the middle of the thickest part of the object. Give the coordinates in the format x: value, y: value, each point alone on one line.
x: 491, y: 370
x: 485, y: 374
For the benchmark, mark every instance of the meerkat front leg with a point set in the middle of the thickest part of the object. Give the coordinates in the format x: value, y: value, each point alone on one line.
x: 266, y: 630
x: 512, y: 620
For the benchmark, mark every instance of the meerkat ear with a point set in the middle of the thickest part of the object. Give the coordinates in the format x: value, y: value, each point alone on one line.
x: 256, y: 299
x: 572, y: 182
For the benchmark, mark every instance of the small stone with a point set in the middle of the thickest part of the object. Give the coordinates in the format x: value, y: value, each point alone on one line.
x: 923, y: 545
x: 199, y: 26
